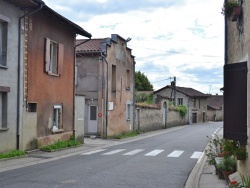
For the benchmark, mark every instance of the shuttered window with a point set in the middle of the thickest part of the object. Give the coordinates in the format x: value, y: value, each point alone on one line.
x: 3, y: 42
x: 53, y: 57
x: 235, y: 102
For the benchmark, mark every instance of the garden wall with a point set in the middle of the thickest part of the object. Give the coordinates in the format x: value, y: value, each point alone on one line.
x: 149, y: 118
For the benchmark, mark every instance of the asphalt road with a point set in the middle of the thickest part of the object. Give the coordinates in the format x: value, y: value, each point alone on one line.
x: 164, y: 160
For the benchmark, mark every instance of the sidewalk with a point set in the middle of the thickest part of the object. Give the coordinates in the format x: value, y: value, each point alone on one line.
x: 202, y: 176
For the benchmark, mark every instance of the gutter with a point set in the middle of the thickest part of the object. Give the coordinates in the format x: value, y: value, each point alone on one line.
x: 106, y: 114
x: 19, y: 71
x: 225, y: 42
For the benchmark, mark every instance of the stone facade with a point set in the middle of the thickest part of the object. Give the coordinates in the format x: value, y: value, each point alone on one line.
x: 238, y: 48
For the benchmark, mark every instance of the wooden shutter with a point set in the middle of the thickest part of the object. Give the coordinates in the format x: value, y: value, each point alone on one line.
x: 47, y: 54
x: 60, y: 58
x: 235, y: 102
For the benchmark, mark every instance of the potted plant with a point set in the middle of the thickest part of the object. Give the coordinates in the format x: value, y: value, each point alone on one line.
x: 227, y: 166
x: 231, y: 9
x: 241, y: 153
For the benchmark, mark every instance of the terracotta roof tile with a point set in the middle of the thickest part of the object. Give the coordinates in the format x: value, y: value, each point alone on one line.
x: 215, y: 101
x: 93, y: 45
x: 185, y: 90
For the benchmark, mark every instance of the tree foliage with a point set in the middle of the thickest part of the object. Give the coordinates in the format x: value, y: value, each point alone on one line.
x: 142, y: 83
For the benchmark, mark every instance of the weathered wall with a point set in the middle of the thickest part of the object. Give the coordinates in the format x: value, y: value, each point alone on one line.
x: 79, y: 117
x: 238, y: 51
x: 48, y: 90
x: 8, y: 76
x: 151, y: 118
x: 120, y: 56
x: 214, y: 115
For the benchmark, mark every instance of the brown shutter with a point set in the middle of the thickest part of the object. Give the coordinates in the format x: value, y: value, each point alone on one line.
x: 60, y: 58
x: 235, y: 102
x: 47, y: 54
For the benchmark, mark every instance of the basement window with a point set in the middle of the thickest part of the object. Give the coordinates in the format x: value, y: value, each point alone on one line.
x: 57, y: 118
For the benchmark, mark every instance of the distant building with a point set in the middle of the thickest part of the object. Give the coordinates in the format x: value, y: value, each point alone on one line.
x: 215, y: 108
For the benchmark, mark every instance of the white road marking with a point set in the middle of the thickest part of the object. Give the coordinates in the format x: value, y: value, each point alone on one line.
x: 92, y: 152
x: 134, y: 152
x: 154, y: 152
x: 175, y: 153
x: 113, y: 152
x: 196, y: 155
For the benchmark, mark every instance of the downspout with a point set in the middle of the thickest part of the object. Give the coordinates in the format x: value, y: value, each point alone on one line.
x: 103, y: 57
x: 134, y: 113
x: 19, y: 72
x: 226, y: 43
x: 74, y: 88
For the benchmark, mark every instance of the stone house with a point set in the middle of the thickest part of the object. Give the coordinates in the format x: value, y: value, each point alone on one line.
x: 237, y: 81
x: 45, y: 78
x: 9, y: 63
x: 215, y: 108
x: 105, y: 77
x: 195, y: 101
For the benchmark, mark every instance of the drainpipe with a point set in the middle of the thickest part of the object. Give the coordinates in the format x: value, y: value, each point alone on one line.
x: 103, y: 57
x: 19, y: 71
x: 74, y: 89
x: 226, y: 43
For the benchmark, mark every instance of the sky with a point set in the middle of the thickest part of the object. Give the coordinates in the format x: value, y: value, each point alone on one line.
x: 182, y: 39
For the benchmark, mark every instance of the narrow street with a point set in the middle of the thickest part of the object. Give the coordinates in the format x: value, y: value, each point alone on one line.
x: 163, y: 160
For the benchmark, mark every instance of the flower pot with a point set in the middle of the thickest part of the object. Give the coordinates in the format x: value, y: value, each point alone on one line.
x: 226, y: 174
x: 236, y: 13
x: 241, y: 158
x: 220, y: 174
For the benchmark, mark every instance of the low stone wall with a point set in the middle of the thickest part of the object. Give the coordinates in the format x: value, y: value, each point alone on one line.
x: 149, y: 118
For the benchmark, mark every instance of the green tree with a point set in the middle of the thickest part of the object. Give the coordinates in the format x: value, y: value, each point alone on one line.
x: 142, y: 83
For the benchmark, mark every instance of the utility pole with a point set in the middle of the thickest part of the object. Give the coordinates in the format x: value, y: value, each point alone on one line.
x: 173, y: 84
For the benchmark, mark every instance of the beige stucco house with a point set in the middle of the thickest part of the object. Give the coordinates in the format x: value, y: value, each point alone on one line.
x: 215, y: 108
x: 105, y: 77
x: 237, y: 81
x: 195, y: 101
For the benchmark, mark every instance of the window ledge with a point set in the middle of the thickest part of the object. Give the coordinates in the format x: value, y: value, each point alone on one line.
x: 3, y: 67
x: 52, y: 74
x: 4, y: 129
x: 128, y: 119
x: 57, y: 131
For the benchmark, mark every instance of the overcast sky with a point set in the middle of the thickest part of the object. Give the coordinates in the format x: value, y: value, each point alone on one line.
x: 183, y: 38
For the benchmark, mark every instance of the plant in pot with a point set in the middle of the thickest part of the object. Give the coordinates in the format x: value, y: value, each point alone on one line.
x: 227, y: 166
x: 231, y: 9
x: 241, y: 153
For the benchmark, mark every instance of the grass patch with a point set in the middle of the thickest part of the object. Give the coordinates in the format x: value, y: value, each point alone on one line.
x: 10, y: 154
x: 127, y: 135
x: 62, y: 144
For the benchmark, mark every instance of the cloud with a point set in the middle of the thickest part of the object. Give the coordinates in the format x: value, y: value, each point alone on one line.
x: 182, y: 38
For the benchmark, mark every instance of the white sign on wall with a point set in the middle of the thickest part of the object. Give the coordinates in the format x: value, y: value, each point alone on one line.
x: 111, y: 105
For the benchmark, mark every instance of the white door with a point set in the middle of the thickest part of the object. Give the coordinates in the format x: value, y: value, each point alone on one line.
x: 92, y: 119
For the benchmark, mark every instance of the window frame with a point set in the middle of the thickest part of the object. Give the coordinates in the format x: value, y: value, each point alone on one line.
x: 5, y: 20
x: 4, y: 108
x: 49, y: 46
x: 57, y: 117
x: 180, y: 101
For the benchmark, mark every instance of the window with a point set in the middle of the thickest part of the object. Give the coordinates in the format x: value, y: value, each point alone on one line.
x: 3, y: 42
x: 53, y: 57
x: 180, y: 101
x: 128, y: 111
x: 57, y: 117
x: 128, y: 80
x: 113, y: 78
x: 194, y: 103
x: 3, y: 106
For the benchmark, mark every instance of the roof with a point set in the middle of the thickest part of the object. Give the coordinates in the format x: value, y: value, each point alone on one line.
x: 185, y: 90
x: 215, y: 101
x: 50, y: 14
x: 85, y: 45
